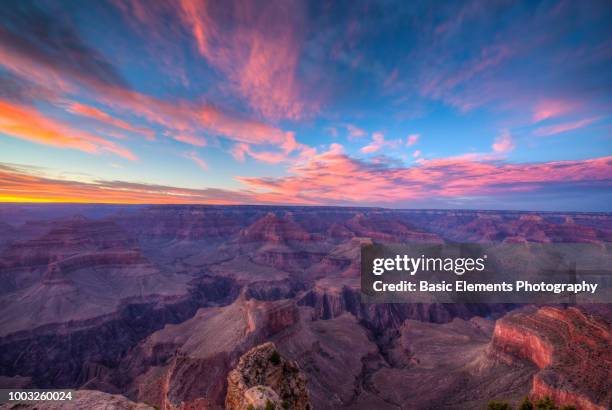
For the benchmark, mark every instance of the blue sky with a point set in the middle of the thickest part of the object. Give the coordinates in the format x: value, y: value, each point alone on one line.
x: 476, y: 104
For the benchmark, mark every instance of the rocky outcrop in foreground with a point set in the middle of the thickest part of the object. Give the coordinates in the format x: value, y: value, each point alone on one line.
x: 263, y: 378
x: 573, y: 351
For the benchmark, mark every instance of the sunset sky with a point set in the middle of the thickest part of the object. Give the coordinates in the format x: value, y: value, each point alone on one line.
x: 476, y: 104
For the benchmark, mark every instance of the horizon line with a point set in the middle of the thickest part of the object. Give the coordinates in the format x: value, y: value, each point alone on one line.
x: 111, y: 204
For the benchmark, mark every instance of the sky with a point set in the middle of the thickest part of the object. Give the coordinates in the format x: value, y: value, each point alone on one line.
x: 422, y: 104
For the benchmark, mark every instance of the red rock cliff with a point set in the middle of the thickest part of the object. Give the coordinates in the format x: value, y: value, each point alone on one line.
x: 571, y: 349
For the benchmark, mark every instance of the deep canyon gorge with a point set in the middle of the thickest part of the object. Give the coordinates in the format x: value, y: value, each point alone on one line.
x: 158, y: 306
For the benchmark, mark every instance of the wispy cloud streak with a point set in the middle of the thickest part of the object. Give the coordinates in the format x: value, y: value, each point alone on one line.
x: 29, y: 124
x: 563, y: 127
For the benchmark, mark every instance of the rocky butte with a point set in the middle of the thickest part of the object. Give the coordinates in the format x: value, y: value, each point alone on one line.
x: 263, y: 378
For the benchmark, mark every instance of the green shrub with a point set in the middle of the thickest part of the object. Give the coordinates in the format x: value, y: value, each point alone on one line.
x: 568, y: 407
x: 275, y: 358
x: 270, y: 405
x: 526, y: 404
x: 498, y: 405
x: 545, y: 404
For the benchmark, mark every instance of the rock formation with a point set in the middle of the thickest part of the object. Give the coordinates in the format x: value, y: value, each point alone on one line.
x: 263, y: 376
x: 573, y: 351
x: 186, y: 363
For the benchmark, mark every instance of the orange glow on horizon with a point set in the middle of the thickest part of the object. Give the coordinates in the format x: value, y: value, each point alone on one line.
x: 327, y: 178
x: 122, y: 201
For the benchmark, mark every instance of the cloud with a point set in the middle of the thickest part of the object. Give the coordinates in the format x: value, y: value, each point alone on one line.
x: 255, y: 46
x: 448, y: 83
x: 182, y: 116
x: 334, y: 178
x: 15, y: 89
x: 564, y: 127
x: 469, y: 56
x: 190, y: 139
x: 412, y: 139
x: 378, y: 142
x: 26, y: 184
x: 416, y: 153
x: 291, y: 151
x: 52, y: 50
x: 503, y: 143
x: 99, y: 115
x: 53, y: 57
x: 355, y: 132
x: 552, y: 108
x: 29, y: 124
x: 192, y: 155
x: 22, y: 184
x: 239, y: 151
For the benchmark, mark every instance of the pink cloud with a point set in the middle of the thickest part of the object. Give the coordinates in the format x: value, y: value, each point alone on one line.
x: 185, y: 116
x: 331, y: 177
x: 29, y: 124
x: 412, y: 139
x: 256, y: 47
x: 391, y: 79
x: 290, y: 143
x: 552, y: 108
x: 99, y: 115
x: 378, y: 142
x: 503, y: 143
x: 190, y: 139
x: 334, y: 149
x: 239, y: 152
x: 291, y: 151
x: 355, y: 132
x: 192, y: 155
x: 564, y: 127
x: 416, y: 153
x: 259, y: 53
x: 178, y: 116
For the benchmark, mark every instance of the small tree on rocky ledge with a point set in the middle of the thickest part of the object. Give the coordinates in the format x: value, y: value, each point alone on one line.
x: 526, y: 404
x: 498, y: 405
x: 545, y: 404
x: 275, y: 358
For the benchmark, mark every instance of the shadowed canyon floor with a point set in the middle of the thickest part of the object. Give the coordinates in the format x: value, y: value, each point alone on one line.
x: 159, y: 303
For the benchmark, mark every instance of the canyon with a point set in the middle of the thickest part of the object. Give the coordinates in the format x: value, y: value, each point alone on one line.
x: 161, y: 305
